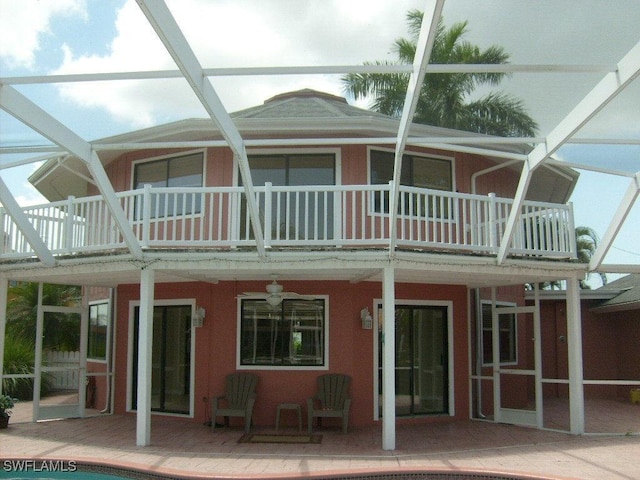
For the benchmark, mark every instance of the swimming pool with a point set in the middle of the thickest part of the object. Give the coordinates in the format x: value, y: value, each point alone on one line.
x: 71, y: 470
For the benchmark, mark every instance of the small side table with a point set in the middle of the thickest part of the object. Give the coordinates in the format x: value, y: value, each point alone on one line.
x: 289, y: 406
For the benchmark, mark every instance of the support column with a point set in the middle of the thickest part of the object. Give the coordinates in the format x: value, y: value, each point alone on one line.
x: 145, y: 340
x: 388, y: 360
x: 4, y: 288
x: 574, y: 344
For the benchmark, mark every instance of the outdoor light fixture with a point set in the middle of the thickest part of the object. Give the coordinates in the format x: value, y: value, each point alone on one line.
x: 198, y: 317
x: 367, y: 319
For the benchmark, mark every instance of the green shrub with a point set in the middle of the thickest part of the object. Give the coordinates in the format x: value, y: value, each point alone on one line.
x: 19, y: 358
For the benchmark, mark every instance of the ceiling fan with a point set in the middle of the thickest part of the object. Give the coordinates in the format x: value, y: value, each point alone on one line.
x: 275, y: 294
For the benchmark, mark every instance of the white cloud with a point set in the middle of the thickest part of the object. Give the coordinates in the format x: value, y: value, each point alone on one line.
x: 24, y: 23
x: 231, y: 34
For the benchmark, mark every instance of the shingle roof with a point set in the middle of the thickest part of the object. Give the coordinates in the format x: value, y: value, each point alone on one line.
x: 629, y: 296
x: 306, y: 103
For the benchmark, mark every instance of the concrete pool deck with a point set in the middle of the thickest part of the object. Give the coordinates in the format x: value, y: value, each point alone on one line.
x: 185, y: 448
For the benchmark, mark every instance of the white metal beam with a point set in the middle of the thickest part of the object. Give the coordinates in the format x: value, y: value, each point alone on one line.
x: 307, y: 70
x: 15, y: 212
x: 14, y: 103
x: 628, y: 69
x: 424, y: 45
x: 175, y: 42
x: 616, y: 223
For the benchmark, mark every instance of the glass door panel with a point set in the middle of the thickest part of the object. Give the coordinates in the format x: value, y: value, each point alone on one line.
x: 171, y: 359
x: 421, y: 373
x: 60, y: 366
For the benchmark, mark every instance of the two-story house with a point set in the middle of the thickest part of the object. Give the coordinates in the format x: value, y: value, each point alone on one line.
x: 394, y: 281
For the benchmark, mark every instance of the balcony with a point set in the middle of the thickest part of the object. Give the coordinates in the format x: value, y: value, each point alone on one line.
x: 345, y: 216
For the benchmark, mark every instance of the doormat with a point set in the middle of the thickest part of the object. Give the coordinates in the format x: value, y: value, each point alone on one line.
x: 275, y: 438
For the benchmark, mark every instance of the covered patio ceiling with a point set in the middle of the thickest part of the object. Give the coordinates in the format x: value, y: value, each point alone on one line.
x: 581, y: 97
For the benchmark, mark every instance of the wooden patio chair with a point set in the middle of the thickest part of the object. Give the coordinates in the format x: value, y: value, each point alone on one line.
x: 332, y: 400
x: 238, y: 400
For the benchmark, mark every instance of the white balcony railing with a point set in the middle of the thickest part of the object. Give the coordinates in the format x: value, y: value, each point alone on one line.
x: 309, y: 216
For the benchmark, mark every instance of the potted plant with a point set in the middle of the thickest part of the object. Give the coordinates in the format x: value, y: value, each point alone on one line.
x: 6, y: 404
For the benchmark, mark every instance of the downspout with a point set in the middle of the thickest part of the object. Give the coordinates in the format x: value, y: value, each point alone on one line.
x: 479, y: 353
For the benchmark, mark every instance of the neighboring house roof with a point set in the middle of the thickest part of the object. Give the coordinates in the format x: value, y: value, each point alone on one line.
x: 625, y: 296
x: 304, y: 114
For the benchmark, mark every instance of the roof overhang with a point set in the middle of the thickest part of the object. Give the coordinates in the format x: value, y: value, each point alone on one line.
x: 66, y: 175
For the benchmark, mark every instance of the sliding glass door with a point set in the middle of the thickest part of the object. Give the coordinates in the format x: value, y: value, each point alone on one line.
x: 421, y: 370
x: 171, y: 359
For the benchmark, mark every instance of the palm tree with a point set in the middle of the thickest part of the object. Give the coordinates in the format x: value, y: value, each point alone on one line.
x: 586, y: 245
x: 60, y: 331
x: 445, y: 99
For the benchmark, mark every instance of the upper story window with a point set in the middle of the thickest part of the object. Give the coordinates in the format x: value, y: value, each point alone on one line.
x: 293, y: 169
x: 507, y: 336
x: 180, y: 171
x: 291, y: 334
x: 417, y: 171
x: 296, y: 215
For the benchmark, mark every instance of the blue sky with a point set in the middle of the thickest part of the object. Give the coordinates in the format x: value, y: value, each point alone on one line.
x: 70, y: 36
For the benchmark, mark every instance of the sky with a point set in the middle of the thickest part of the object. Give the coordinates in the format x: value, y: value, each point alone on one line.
x: 82, y: 36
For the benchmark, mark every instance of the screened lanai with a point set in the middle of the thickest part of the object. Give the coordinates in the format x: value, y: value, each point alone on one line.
x: 92, y: 70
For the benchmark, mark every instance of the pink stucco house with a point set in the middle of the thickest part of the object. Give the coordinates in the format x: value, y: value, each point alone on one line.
x: 413, y: 287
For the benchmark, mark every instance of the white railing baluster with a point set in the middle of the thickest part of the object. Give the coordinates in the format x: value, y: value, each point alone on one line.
x: 340, y: 215
x: 267, y: 214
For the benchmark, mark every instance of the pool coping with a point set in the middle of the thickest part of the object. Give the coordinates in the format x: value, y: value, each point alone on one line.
x: 144, y: 472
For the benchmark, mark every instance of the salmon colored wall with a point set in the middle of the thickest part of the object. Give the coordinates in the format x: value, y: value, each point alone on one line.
x: 350, y: 347
x: 219, y: 168
x: 602, y: 334
x: 97, y: 388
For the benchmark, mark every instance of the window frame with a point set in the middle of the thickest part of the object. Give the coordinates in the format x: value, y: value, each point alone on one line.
x: 130, y: 349
x: 241, y: 366
x: 377, y: 211
x: 199, y: 204
x: 513, y: 332
x: 336, y: 152
x: 107, y: 334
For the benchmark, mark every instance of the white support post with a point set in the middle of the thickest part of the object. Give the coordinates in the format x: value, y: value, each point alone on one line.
x: 495, y: 359
x: 37, y: 381
x: 4, y: 289
x: 388, y: 360
x: 574, y: 344
x: 84, y: 333
x: 537, y: 329
x: 145, y: 341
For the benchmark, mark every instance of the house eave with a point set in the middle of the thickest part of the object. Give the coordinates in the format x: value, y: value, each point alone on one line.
x: 472, y: 271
